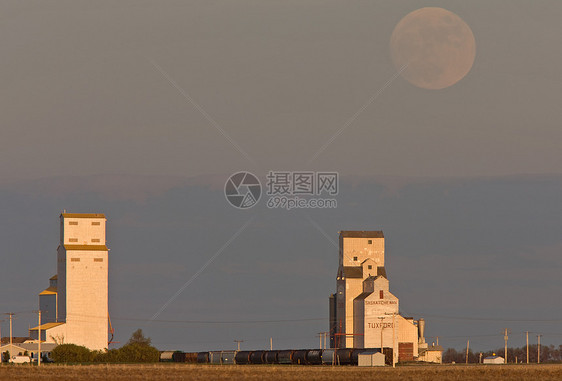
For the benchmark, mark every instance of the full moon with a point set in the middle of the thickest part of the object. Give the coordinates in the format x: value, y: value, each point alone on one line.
x: 433, y: 47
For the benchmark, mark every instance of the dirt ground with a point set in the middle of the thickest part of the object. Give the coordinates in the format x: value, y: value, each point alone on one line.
x: 172, y: 371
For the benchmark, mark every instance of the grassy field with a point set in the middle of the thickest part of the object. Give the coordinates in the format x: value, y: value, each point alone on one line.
x: 271, y: 373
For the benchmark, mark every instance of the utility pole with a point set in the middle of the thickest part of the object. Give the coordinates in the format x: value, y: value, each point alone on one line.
x: 393, y: 341
x: 322, y: 335
x: 527, y: 332
x: 39, y: 337
x: 238, y: 342
x: 480, y: 358
x: 1, y: 357
x: 467, y: 345
x: 382, y: 319
x: 505, y: 337
x: 10, y: 314
x: 271, y: 343
x: 539, y: 349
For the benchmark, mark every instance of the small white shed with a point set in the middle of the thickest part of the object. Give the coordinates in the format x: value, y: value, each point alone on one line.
x: 493, y: 360
x: 370, y: 359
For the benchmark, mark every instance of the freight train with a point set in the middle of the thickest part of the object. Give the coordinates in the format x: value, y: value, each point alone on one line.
x: 284, y: 357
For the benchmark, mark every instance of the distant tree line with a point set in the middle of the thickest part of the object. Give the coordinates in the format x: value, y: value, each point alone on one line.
x: 138, y: 349
x: 549, y: 354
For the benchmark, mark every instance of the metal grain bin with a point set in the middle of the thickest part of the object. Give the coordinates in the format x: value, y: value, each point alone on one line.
x: 227, y: 357
x: 299, y: 357
x: 285, y: 357
x: 243, y: 357
x: 270, y: 357
x: 314, y: 357
x: 203, y: 357
x: 257, y: 357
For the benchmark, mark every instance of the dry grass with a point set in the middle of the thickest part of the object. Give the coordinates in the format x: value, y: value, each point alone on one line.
x: 272, y: 373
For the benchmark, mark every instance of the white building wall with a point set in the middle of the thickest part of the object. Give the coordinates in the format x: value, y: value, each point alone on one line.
x: 76, y: 229
x: 494, y: 360
x: 362, y: 249
x: 82, y: 265
x: 373, y: 314
x: 434, y: 356
x: 373, y: 326
x: 56, y: 335
x: 353, y: 287
x: 408, y: 332
x: 378, y: 316
x: 87, y: 298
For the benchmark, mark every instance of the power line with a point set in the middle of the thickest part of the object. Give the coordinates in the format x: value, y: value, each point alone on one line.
x: 523, y: 320
x: 265, y: 321
x: 470, y: 336
x: 223, y: 321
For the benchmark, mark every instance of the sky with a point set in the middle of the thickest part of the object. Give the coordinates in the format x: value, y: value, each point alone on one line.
x: 141, y: 110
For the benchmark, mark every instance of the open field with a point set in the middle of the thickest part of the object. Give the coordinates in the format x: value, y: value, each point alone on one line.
x: 271, y: 373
